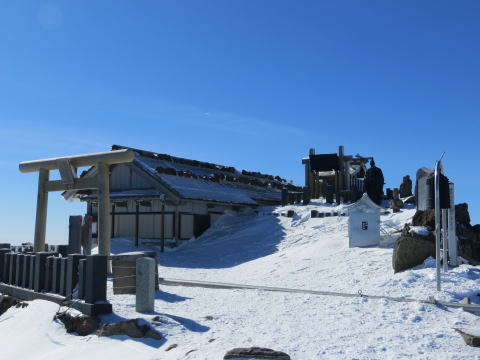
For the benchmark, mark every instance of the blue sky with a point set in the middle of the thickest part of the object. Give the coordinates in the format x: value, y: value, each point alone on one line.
x: 252, y: 84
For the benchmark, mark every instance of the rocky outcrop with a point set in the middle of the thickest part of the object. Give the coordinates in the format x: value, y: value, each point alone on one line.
x: 256, y: 353
x: 136, y: 328
x: 6, y: 302
x: 411, y: 249
x: 82, y: 325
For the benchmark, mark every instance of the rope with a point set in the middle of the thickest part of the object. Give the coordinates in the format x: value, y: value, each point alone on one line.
x: 431, y: 300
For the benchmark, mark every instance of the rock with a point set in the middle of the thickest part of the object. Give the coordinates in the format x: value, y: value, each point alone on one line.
x: 82, y: 325
x: 462, y: 215
x: 424, y: 218
x: 470, y: 340
x: 6, y: 302
x: 173, y: 346
x: 406, y: 187
x: 256, y: 353
x: 136, y: 328
x: 411, y: 250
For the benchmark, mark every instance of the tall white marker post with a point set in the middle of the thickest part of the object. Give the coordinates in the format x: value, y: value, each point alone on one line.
x: 438, y: 171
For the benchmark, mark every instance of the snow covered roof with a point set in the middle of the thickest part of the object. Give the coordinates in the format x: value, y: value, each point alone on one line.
x: 211, y: 184
x: 365, y: 204
x: 192, y: 179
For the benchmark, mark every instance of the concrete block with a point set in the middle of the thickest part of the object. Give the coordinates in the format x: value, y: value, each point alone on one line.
x: 145, y: 282
x: 26, y: 271
x: 3, y: 268
x: 19, y: 270
x: 71, y: 279
x: 31, y: 283
x: 75, y: 234
x: 82, y: 273
x: 49, y: 274
x: 63, y: 276
x: 13, y: 267
x: 56, y: 274
x: 40, y: 271
x: 96, y: 278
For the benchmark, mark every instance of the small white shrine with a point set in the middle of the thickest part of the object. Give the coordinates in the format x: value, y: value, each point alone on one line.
x: 364, y: 223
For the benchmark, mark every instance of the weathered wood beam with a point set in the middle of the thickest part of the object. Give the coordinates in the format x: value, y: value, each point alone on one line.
x: 78, y: 184
x: 106, y: 157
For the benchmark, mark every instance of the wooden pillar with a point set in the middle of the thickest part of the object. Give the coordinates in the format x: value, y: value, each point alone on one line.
x: 113, y: 220
x: 103, y: 209
x: 41, y: 216
x: 176, y: 222
x: 137, y: 220
x: 163, y: 227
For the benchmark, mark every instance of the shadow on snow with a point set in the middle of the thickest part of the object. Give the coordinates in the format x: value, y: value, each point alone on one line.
x: 232, y: 241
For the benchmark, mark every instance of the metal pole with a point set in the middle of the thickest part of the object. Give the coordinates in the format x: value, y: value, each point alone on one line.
x: 437, y: 223
x: 444, y: 240
x: 103, y: 209
x: 41, y: 217
x: 452, y: 230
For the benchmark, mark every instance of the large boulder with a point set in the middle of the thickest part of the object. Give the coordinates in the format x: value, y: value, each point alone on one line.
x: 424, y: 218
x: 256, y: 353
x: 136, y: 328
x: 412, y: 248
x: 82, y: 325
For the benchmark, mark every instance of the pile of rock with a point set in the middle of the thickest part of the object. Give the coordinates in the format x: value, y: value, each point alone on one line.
x: 417, y: 241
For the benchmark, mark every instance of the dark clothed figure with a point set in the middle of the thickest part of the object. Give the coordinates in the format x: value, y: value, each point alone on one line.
x: 374, y: 182
x: 406, y: 187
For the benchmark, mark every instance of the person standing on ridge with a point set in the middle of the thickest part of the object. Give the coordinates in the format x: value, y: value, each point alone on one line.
x: 374, y: 182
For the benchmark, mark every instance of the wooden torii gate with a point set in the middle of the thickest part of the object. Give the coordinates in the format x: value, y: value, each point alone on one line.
x: 67, y: 166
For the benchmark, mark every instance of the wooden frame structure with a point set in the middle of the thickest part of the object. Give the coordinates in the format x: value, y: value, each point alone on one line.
x: 67, y: 166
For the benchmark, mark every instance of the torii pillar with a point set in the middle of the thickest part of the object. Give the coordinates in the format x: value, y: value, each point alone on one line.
x: 67, y: 167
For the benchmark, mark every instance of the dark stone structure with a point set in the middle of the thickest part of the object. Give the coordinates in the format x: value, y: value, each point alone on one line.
x: 406, y: 187
x: 374, y: 182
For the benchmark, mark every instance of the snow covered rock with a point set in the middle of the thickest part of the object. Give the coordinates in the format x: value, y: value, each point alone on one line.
x: 254, y: 353
x: 82, y: 325
x: 411, y: 249
x: 470, y: 340
x: 6, y: 302
x: 136, y: 328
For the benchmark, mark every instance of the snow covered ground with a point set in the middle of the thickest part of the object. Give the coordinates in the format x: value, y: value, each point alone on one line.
x: 262, y: 249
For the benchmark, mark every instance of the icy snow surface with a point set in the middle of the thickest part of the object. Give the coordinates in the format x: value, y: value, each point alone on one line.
x: 263, y: 249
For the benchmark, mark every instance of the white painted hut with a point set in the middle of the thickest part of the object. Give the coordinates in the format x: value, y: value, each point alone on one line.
x: 364, y: 223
